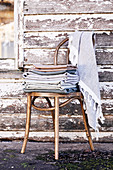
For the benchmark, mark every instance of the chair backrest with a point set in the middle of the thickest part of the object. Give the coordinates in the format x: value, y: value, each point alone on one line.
x: 57, y: 50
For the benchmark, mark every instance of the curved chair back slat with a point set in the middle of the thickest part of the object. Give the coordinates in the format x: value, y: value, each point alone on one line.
x: 57, y: 50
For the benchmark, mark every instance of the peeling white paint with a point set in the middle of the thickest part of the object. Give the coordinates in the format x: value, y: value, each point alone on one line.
x: 108, y: 101
x: 10, y: 89
x: 8, y: 64
x: 18, y: 103
x: 103, y: 68
x: 67, y: 17
x: 69, y: 135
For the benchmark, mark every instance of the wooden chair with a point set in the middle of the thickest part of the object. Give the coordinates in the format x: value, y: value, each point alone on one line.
x: 31, y: 96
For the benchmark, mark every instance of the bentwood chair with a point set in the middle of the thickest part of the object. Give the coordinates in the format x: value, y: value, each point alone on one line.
x: 31, y: 96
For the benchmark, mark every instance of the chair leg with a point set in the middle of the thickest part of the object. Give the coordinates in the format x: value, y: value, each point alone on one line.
x: 56, y: 127
x: 28, y: 118
x: 87, y: 126
x: 52, y: 111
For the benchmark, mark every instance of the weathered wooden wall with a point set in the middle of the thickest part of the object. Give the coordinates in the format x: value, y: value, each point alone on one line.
x: 42, y: 24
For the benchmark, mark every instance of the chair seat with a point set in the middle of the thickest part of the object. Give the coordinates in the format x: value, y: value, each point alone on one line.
x: 64, y: 91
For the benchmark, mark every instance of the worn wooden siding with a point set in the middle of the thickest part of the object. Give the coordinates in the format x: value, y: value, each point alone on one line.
x: 42, y: 24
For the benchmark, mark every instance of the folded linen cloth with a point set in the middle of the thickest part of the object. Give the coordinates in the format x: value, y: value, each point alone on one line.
x: 82, y: 55
x: 64, y: 80
x: 70, y: 76
x: 66, y: 91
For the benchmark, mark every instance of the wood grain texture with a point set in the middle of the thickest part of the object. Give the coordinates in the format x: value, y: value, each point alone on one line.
x: 68, y: 22
x: 67, y: 6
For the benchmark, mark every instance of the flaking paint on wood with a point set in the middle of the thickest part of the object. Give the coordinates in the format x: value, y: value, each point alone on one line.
x: 43, y: 56
x: 104, y: 56
x: 8, y: 64
x: 45, y: 123
x: 68, y: 22
x: 67, y: 6
x: 14, y: 89
x: 51, y: 39
x: 18, y: 105
x: 10, y: 89
x: 63, y: 136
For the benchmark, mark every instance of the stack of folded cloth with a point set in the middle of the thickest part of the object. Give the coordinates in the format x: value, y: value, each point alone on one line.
x: 56, y: 78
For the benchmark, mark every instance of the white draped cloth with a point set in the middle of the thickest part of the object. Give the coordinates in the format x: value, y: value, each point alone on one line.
x: 82, y: 55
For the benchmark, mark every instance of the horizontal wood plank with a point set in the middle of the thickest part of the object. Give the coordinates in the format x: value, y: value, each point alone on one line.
x: 63, y: 136
x: 65, y: 6
x: 104, y: 56
x: 10, y: 74
x: 106, y: 75
x: 13, y: 105
x: 43, y: 56
x: 104, y: 39
x: 7, y: 64
x: 43, y: 39
x: 18, y: 105
x: 14, y: 89
x: 11, y: 89
x: 45, y: 123
x: 107, y: 107
x: 51, y: 39
x: 68, y: 22
x: 106, y: 89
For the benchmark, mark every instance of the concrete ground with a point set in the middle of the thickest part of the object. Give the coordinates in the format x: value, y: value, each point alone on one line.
x: 11, y: 158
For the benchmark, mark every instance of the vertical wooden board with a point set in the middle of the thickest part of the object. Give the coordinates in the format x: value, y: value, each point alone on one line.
x: 20, y: 32
x: 16, y: 32
x: 67, y: 6
x: 68, y: 22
